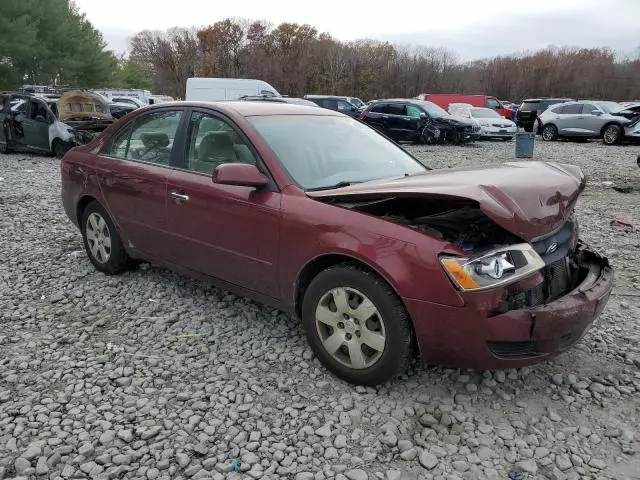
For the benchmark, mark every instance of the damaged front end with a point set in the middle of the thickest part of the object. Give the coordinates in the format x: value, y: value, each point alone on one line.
x: 86, y: 113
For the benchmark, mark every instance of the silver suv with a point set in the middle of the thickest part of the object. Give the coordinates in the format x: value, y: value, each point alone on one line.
x: 583, y: 119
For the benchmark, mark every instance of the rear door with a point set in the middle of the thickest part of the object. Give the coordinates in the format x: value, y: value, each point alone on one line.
x: 133, y: 170
x: 225, y: 231
x: 397, y: 121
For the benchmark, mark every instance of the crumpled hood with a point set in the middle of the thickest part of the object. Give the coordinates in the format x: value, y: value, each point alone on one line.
x: 528, y: 199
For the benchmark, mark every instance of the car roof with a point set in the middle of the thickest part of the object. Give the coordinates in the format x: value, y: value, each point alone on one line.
x: 548, y: 99
x: 251, y: 109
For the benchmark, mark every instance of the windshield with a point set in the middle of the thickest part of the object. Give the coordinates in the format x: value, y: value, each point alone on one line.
x: 609, y: 107
x: 323, y: 151
x: 356, y: 101
x: 432, y: 109
x: 484, y: 113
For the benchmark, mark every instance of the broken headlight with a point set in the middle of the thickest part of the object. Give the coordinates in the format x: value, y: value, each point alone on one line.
x: 495, y: 268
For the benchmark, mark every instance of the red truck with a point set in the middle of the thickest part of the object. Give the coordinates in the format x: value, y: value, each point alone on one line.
x: 485, y: 101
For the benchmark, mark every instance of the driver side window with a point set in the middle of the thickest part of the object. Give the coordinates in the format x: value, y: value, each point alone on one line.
x: 212, y: 142
x: 413, y: 111
x: 492, y: 103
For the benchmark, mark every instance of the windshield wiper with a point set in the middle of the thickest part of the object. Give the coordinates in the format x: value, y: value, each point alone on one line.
x: 332, y: 187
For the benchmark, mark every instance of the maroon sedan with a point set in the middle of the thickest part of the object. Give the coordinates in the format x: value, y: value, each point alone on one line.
x: 316, y: 213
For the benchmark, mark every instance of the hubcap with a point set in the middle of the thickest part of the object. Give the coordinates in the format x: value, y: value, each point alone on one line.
x: 98, y: 238
x: 350, y: 327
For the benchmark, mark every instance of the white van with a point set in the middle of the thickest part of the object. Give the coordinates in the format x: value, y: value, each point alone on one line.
x: 213, y: 89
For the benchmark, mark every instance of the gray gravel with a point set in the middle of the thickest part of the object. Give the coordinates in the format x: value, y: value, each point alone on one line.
x: 153, y: 375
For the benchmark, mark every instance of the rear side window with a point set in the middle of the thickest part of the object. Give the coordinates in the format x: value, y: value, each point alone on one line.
x: 396, y: 109
x: 530, y: 106
x: 573, y: 109
x: 557, y: 109
x: 380, y: 108
x: 150, y: 139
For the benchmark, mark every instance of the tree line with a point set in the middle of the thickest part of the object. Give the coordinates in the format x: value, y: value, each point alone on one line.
x: 297, y: 59
x: 50, y: 42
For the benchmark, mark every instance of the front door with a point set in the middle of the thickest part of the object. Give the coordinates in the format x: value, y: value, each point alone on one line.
x: 133, y: 171
x: 397, y: 122
x: 225, y: 231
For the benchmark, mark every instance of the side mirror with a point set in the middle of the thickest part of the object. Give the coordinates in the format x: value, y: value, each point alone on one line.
x: 502, y: 116
x: 596, y: 112
x: 239, y: 174
x: 40, y: 118
x: 423, y: 115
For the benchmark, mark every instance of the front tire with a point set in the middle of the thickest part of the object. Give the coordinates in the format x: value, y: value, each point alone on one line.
x: 612, y: 135
x: 102, y: 242
x: 549, y: 133
x: 357, y: 325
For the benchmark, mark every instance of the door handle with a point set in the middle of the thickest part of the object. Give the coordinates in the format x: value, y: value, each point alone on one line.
x: 179, y: 197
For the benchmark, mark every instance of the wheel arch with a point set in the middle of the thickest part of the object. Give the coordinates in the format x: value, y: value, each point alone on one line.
x: 317, y: 264
x: 608, y: 124
x: 82, y: 204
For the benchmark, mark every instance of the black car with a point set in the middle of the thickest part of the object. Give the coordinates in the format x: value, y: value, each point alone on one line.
x: 337, y: 103
x: 532, y: 107
x: 271, y: 98
x: 418, y: 121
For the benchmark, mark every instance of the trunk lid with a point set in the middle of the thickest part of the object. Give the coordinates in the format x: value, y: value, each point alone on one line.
x: 528, y: 199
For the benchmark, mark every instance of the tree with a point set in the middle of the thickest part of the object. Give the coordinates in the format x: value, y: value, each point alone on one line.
x: 49, y: 41
x: 132, y: 74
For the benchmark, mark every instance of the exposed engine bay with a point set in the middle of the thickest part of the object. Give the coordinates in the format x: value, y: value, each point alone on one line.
x: 459, y: 222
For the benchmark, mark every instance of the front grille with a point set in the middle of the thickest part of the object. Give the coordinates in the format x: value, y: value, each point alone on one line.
x: 556, y: 281
x: 497, y: 125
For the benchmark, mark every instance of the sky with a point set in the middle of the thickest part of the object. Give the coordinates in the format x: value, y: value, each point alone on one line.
x: 471, y: 28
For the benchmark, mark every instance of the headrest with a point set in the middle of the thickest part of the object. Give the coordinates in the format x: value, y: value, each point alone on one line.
x: 219, y: 139
x: 155, y: 140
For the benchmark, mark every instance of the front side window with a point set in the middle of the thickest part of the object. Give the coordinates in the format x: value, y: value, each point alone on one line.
x: 149, y: 139
x: 588, y: 108
x: 322, y: 151
x: 344, y: 106
x: 212, y: 141
x: 413, y: 111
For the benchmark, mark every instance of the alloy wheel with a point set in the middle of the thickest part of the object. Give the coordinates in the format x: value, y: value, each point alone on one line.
x: 98, y: 237
x: 350, y: 327
x: 611, y: 135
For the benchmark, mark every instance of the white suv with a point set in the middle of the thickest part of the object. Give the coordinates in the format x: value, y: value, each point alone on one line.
x: 583, y: 119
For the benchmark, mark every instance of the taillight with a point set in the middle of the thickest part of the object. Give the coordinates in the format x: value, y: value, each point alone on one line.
x: 363, y: 114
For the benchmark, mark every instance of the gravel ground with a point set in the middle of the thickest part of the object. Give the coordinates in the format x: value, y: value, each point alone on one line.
x: 153, y: 375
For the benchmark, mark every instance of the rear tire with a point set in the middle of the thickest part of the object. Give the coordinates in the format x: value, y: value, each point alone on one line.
x: 357, y: 325
x: 102, y: 242
x: 549, y: 133
x: 612, y: 134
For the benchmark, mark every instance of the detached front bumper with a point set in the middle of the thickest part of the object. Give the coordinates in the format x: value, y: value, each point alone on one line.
x: 475, y: 336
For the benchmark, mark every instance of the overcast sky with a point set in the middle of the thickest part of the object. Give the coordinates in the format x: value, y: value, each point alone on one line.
x: 471, y: 28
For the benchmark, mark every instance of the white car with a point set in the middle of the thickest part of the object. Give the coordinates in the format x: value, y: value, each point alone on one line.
x: 492, y: 125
